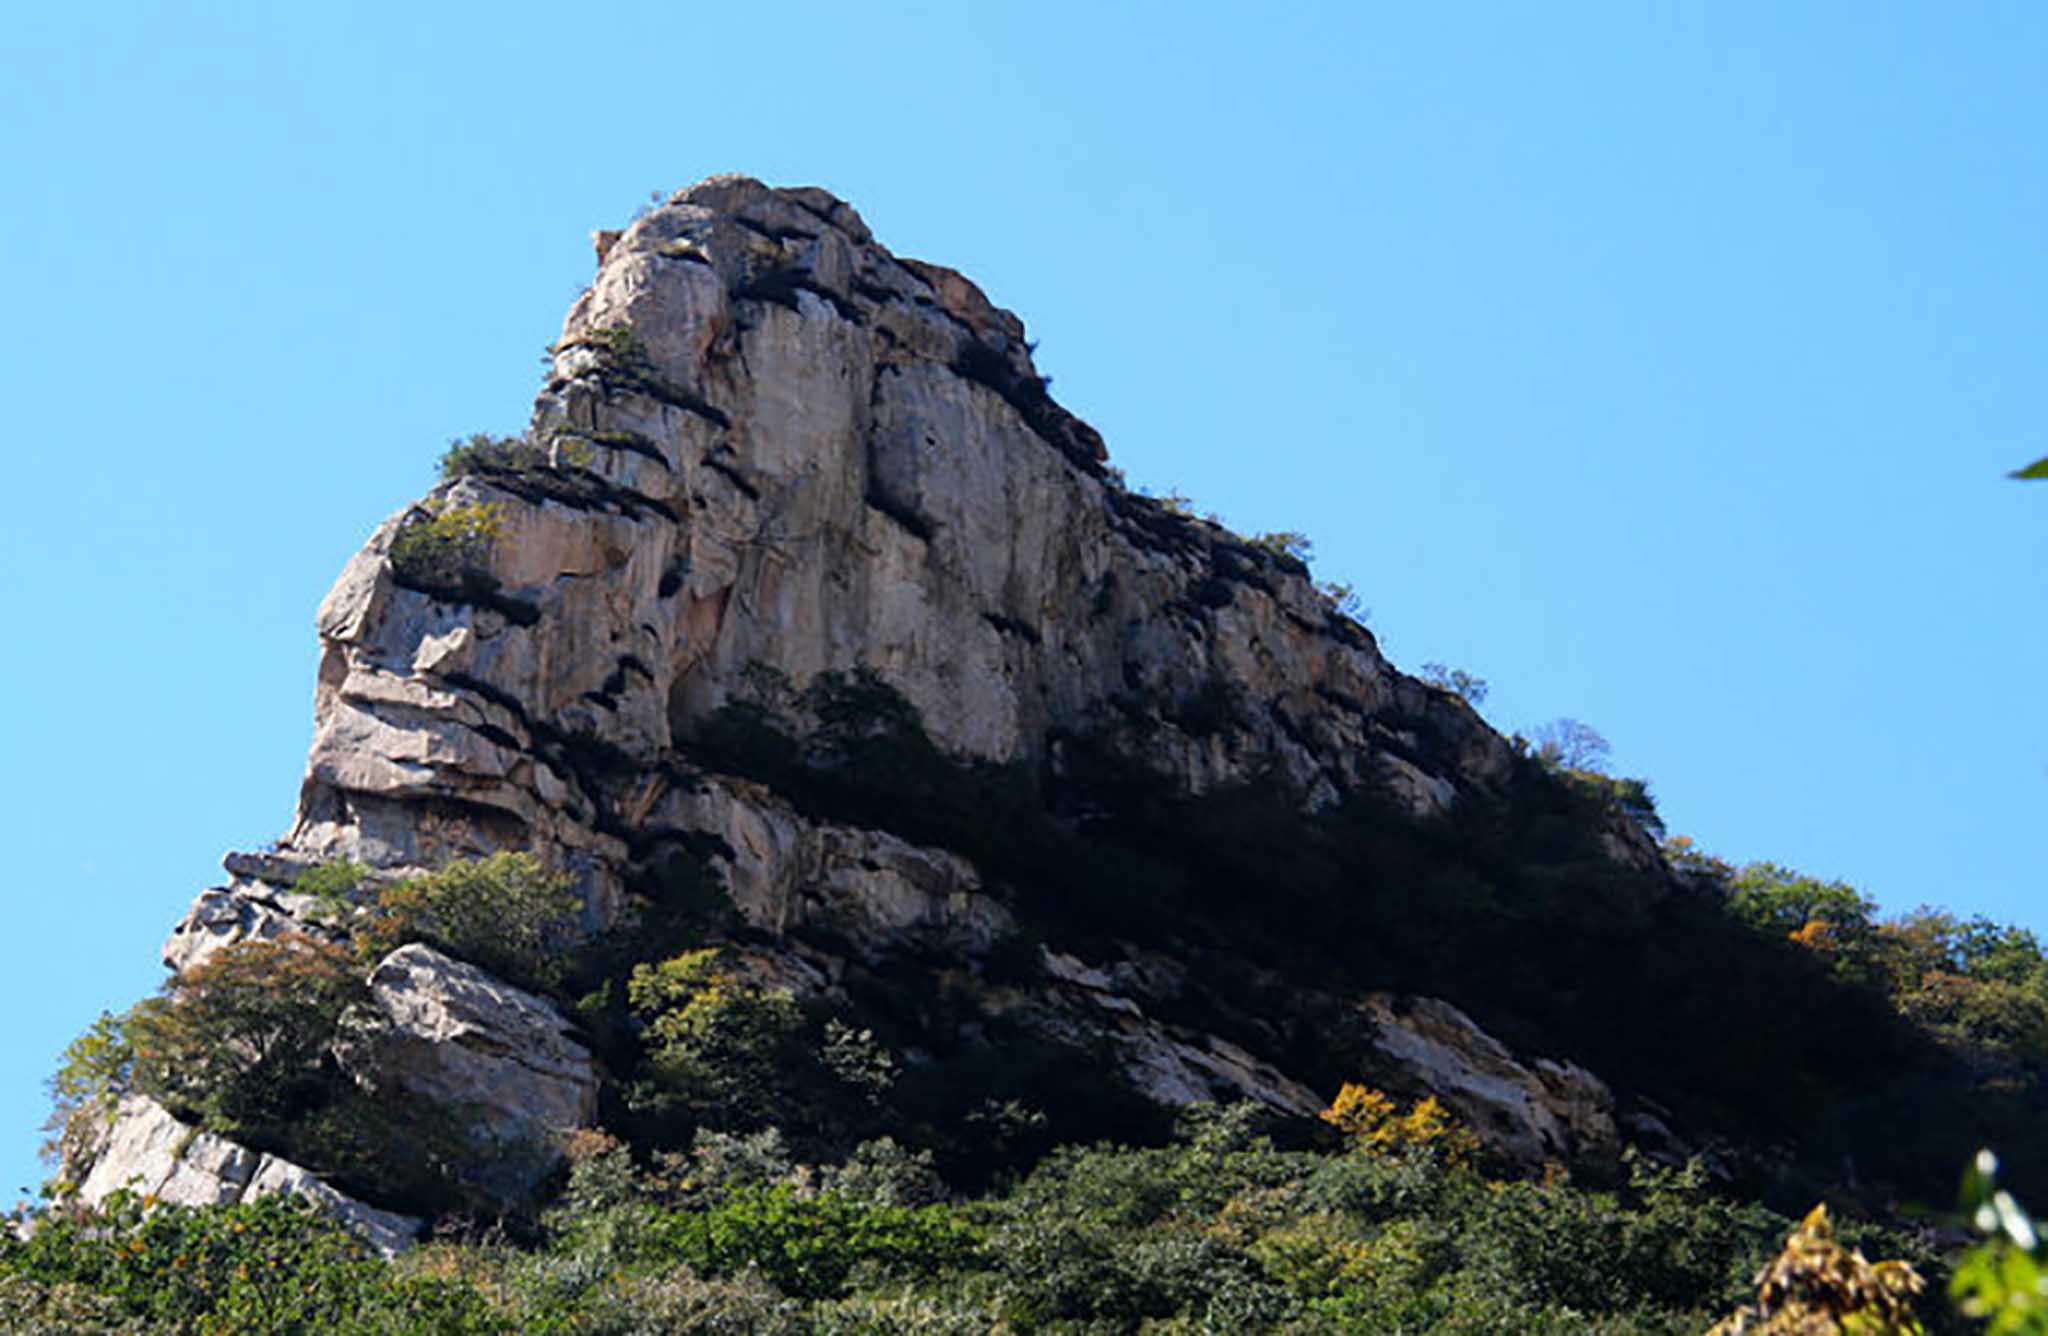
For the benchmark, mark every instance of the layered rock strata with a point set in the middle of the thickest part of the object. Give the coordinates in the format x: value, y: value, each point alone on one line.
x: 776, y: 450
x: 796, y: 452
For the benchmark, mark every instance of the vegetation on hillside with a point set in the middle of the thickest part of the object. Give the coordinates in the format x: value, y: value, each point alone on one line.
x: 903, y: 1158
x: 1219, y: 1230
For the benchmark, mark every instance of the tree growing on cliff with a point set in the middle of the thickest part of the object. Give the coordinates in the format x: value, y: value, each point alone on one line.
x: 96, y: 1068
x: 717, y: 1044
x: 244, y: 1039
x: 1567, y: 744
x: 1468, y: 687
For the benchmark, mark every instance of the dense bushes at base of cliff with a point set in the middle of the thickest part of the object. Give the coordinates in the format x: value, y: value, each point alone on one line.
x: 1217, y: 1231
x: 1510, y: 905
x: 700, y: 1047
x: 273, y: 1265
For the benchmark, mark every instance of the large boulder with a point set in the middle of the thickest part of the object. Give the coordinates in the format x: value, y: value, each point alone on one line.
x: 1169, y: 1063
x: 504, y: 1060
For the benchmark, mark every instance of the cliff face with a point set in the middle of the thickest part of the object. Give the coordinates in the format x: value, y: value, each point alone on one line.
x: 775, y: 451
x: 810, y: 455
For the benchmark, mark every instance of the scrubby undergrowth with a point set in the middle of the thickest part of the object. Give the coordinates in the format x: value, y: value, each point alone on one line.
x: 1218, y: 1231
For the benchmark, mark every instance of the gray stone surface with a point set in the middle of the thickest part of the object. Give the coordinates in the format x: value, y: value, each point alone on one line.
x: 878, y: 892
x: 148, y: 1151
x: 830, y: 458
x: 1531, y: 1110
x: 499, y: 1056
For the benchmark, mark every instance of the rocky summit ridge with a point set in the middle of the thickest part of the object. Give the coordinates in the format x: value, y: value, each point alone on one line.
x: 768, y: 452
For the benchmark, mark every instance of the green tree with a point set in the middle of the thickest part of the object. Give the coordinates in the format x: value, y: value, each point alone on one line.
x: 1286, y: 543
x: 450, y: 550
x: 1779, y: 901
x: 718, y: 1043
x: 243, y: 1040
x: 274, y: 1266
x: 811, y: 1246
x: 95, y: 1069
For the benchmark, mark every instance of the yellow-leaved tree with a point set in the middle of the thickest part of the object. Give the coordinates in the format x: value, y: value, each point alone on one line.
x: 1374, y: 1124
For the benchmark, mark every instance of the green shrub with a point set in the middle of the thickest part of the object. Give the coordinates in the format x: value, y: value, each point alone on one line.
x: 42, y: 1306
x: 620, y: 341
x: 627, y: 363
x: 669, y: 1302
x: 1057, y: 1268
x: 388, y: 1148
x: 722, y: 1162
x: 883, y: 1172
x: 1777, y: 901
x: 450, y: 550
x: 507, y: 913
x: 1286, y: 543
x: 272, y: 1266
x: 483, y: 453
x: 892, y: 1311
x: 1344, y: 598
x: 333, y: 885
x: 1218, y: 1232
x: 810, y: 1246
x: 245, y: 1044
x: 1630, y: 797
x: 95, y: 1069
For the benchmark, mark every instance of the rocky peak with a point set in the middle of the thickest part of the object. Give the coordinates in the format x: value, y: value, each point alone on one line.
x: 792, y: 450
x: 769, y: 451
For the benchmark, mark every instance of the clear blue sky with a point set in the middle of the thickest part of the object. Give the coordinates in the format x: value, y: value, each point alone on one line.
x: 1659, y: 364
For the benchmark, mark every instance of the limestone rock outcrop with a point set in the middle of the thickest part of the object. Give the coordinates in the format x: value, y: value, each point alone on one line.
x: 1532, y: 1111
x: 803, y: 453
x: 774, y: 451
x: 147, y: 1151
x: 875, y: 890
